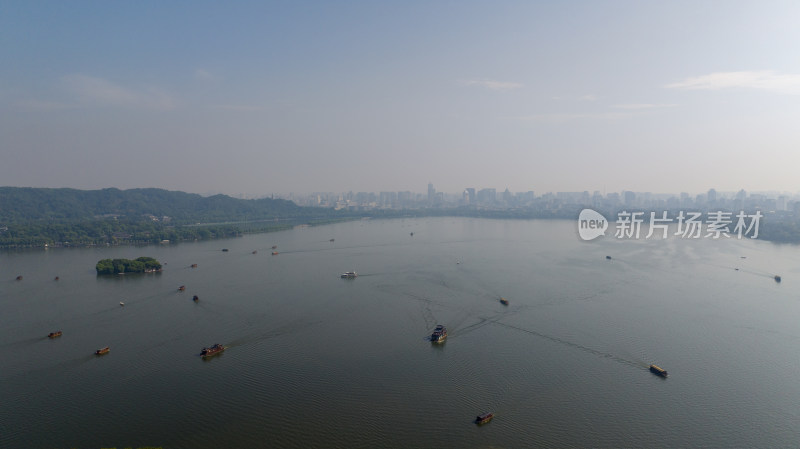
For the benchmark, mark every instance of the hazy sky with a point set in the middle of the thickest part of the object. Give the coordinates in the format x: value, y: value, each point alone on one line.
x: 263, y: 97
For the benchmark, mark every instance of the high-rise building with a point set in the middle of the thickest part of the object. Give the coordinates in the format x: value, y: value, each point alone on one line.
x: 389, y: 199
x: 711, y: 196
x: 469, y: 195
x: 781, y: 203
x: 506, y: 196
x: 700, y: 199
x: 630, y: 198
x: 487, y: 196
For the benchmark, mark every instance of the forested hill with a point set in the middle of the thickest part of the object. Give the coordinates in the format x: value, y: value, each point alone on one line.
x: 34, y: 217
x: 22, y: 205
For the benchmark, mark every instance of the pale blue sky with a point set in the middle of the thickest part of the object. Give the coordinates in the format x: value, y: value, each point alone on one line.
x: 267, y: 97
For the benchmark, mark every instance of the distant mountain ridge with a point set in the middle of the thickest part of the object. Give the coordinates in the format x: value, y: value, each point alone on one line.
x: 20, y: 205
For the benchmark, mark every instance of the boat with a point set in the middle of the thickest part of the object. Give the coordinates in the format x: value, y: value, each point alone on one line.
x: 274, y: 246
x: 54, y: 334
x: 439, y: 334
x: 121, y: 303
x: 658, y: 370
x: 181, y: 288
x: 274, y: 253
x: 412, y: 234
x: 224, y: 250
x: 194, y: 265
x: 212, y: 350
x: 484, y: 418
x: 19, y: 278
x: 777, y: 278
x: 331, y: 240
x: 195, y: 298
x: 503, y: 301
x: 57, y: 278
x: 349, y: 275
x: 608, y: 257
x: 255, y: 251
x: 102, y: 351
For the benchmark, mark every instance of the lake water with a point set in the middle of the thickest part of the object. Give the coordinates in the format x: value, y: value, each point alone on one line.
x: 316, y: 361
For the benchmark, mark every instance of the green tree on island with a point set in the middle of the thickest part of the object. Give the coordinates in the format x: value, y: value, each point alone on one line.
x: 116, y: 266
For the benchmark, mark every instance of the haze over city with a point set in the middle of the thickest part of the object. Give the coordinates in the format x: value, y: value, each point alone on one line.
x: 264, y: 97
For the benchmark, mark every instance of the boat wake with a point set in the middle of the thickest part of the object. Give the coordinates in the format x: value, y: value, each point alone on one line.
x: 26, y: 342
x: 603, y: 354
x: 285, y: 329
x: 46, y: 371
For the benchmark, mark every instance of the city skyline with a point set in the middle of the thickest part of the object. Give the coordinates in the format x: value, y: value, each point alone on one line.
x: 491, y: 197
x: 431, y: 189
x: 312, y: 96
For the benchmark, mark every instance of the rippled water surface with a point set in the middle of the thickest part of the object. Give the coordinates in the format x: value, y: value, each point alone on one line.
x: 314, y: 360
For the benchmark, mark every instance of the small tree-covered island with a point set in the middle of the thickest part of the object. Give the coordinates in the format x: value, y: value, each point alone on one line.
x: 119, y: 266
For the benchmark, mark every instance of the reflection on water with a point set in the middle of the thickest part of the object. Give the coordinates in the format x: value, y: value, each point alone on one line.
x: 314, y: 360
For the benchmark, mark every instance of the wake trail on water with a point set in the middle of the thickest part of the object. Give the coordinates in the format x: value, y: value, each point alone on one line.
x: 289, y: 328
x: 63, y: 323
x: 47, y: 371
x: 25, y: 342
x: 482, y: 321
x: 603, y: 354
x: 758, y: 273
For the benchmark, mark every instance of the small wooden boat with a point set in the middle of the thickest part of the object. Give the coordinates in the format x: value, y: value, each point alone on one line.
x: 274, y: 246
x: 503, y: 301
x: 19, y: 278
x: 777, y: 278
x: 195, y: 298
x: 608, y: 257
x: 331, y: 240
x: 484, y: 418
x: 194, y: 265
x: 439, y: 334
x: 657, y: 370
x: 102, y: 351
x: 57, y: 278
x: 274, y: 253
x: 54, y: 334
x: 255, y: 251
x: 212, y: 350
x: 181, y: 288
x: 224, y: 250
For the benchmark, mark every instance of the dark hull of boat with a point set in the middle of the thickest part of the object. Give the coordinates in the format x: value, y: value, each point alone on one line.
x: 211, y: 352
x: 483, y: 419
x: 438, y: 338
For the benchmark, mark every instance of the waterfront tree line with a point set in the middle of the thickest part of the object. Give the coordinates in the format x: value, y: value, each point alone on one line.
x: 33, y: 217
